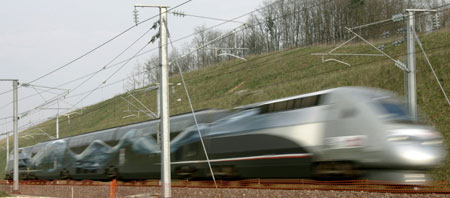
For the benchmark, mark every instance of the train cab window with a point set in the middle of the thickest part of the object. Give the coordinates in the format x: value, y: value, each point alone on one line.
x: 395, y: 109
x: 396, y: 112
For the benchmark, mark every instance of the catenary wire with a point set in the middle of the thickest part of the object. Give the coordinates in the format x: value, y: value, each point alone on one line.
x: 367, y: 63
x: 99, y: 46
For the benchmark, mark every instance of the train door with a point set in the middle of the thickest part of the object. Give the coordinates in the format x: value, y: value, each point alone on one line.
x: 345, y: 133
x: 344, y: 140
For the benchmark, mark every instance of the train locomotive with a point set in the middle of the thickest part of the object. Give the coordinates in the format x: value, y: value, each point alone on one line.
x: 345, y: 132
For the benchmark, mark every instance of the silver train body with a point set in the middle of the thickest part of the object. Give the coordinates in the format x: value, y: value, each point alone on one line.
x: 348, y: 132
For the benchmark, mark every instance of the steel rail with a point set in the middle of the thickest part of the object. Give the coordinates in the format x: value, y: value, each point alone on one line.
x: 442, y: 187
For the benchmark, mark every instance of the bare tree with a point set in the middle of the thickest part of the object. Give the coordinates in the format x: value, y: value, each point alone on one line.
x: 284, y: 24
x: 137, y: 79
x: 152, y: 69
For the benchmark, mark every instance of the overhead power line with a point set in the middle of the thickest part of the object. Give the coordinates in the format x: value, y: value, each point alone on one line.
x: 103, y: 68
x: 169, y: 10
x: 99, y: 46
x: 112, y: 60
x: 182, y: 14
x: 194, y: 34
x: 94, y: 49
x: 203, y: 100
x: 128, y: 29
x: 200, y: 97
x: 114, y: 83
x: 94, y: 73
x: 103, y: 44
x: 110, y: 76
x: 366, y: 63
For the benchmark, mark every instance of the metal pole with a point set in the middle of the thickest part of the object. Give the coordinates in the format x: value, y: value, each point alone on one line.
x: 411, y: 51
x: 158, y: 103
x: 165, y: 156
x: 7, y: 147
x: 57, y: 121
x: 16, y: 138
x: 164, y: 99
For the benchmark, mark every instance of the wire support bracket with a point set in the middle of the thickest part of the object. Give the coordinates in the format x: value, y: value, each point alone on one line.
x: 149, y: 113
x: 397, y: 63
x: 232, y: 55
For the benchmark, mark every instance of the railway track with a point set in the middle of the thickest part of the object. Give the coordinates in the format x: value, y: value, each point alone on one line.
x: 64, y: 188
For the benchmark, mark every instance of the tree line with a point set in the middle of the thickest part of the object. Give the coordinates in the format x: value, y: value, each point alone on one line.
x: 286, y: 24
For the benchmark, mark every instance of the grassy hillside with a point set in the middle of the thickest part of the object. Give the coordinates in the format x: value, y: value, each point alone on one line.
x: 269, y: 76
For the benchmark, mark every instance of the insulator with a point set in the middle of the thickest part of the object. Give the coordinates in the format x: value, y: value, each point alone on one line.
x: 153, y: 39
x: 136, y: 17
x: 436, y: 21
x: 155, y: 25
x: 397, y: 17
x: 401, y: 65
x: 401, y: 30
x: 180, y: 14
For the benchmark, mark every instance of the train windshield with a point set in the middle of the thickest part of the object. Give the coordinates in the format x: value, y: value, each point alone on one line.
x: 396, y: 112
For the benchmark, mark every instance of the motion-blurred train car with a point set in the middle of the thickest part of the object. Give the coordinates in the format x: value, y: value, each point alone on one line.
x: 347, y: 132
x: 101, y: 154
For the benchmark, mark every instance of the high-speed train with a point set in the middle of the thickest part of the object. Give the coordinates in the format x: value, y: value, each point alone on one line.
x: 346, y: 132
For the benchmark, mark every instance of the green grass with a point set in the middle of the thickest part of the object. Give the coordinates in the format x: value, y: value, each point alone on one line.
x: 3, y: 194
x: 280, y: 74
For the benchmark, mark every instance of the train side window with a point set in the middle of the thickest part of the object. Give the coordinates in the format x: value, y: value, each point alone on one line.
x: 279, y: 106
x: 310, y: 101
x: 287, y: 105
x: 290, y: 104
x: 264, y: 109
x: 298, y: 103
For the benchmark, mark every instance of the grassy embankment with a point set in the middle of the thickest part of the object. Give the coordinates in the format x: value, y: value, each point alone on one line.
x: 3, y: 194
x: 275, y: 75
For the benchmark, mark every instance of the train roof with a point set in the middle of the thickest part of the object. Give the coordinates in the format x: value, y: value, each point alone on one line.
x: 134, y: 124
x: 367, y: 91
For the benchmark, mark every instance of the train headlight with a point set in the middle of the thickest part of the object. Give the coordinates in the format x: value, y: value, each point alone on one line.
x: 416, y: 156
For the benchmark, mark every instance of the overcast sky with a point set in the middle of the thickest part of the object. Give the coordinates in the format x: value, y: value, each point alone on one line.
x: 37, y: 37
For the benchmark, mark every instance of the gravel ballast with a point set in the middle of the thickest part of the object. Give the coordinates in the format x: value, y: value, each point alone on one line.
x: 134, y: 191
